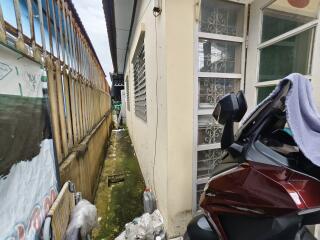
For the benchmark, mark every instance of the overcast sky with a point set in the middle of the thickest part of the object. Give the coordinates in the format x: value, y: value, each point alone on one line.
x: 92, y: 17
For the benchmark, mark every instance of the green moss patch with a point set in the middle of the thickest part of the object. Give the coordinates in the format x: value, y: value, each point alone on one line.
x: 120, y: 202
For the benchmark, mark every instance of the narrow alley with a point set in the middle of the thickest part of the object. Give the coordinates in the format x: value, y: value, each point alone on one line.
x: 121, y: 186
x: 159, y: 120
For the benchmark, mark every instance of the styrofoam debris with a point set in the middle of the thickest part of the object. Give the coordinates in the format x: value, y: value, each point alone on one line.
x: 122, y: 236
x: 83, y: 218
x: 146, y: 227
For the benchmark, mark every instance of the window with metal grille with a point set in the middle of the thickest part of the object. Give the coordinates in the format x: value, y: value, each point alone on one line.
x: 220, y: 45
x: 127, y: 91
x: 139, y: 73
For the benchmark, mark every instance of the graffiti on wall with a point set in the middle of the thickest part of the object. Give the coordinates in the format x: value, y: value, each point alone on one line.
x: 28, y: 183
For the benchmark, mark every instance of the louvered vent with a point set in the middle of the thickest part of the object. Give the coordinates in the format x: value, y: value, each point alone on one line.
x: 128, y: 96
x: 140, y: 101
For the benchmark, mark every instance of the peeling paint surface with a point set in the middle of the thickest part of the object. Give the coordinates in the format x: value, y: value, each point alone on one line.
x: 28, y: 183
x: 24, y: 204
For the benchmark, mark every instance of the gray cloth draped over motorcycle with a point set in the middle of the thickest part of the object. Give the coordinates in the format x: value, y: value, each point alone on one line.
x: 302, y: 115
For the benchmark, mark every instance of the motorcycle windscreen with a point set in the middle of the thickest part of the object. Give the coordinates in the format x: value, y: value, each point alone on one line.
x: 277, y: 143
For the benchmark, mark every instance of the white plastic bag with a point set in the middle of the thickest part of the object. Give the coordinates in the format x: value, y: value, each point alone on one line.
x: 122, y: 236
x: 157, y: 222
x: 146, y: 227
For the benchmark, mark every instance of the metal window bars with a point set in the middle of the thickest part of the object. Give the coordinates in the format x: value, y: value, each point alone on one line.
x: 78, y: 92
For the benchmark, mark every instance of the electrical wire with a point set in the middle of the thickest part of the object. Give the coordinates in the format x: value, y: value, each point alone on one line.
x: 157, y: 119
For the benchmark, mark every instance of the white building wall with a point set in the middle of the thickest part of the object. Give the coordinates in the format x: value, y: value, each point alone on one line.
x: 180, y: 76
x: 150, y: 138
x: 167, y: 169
x: 164, y: 144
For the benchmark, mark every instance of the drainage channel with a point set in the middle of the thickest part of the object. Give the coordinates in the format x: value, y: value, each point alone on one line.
x: 115, y: 178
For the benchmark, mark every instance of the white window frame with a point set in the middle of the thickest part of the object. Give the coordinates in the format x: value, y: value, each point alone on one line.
x: 255, y: 45
x: 197, y: 74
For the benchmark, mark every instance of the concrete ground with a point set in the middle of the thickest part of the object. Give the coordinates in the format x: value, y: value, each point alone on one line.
x: 120, y: 190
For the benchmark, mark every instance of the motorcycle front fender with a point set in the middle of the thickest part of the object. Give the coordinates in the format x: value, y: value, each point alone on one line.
x: 199, y: 228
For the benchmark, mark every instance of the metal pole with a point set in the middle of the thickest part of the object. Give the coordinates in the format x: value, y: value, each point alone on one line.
x: 62, y: 40
x: 35, y: 49
x: 83, y: 58
x: 61, y: 109
x: 54, y: 108
x: 81, y: 118
x: 86, y: 66
x: 3, y: 36
x: 77, y: 108
x: 55, y: 29
x: 49, y: 26
x: 80, y: 53
x: 65, y: 34
x: 20, y: 41
x: 43, y: 39
x: 73, y: 108
x: 68, y: 36
x: 87, y: 108
x: 68, y: 113
x: 77, y: 50
x: 70, y: 39
x: 73, y: 44
x: 83, y: 98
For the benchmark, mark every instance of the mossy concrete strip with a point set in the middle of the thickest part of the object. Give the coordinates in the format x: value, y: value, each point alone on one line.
x: 121, y: 202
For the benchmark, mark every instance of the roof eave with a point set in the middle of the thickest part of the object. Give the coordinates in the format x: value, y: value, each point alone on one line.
x: 108, y: 7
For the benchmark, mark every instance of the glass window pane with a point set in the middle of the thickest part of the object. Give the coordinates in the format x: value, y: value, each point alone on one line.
x: 212, y: 89
x: 209, y: 131
x: 221, y: 17
x: 264, y: 92
x: 207, y: 161
x: 287, y: 56
x: 285, y: 15
x: 219, y: 56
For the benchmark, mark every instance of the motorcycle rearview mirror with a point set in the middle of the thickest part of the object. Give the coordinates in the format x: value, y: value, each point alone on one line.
x: 231, y: 108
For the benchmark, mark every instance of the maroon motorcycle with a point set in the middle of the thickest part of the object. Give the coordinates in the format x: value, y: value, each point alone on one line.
x: 264, y: 187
